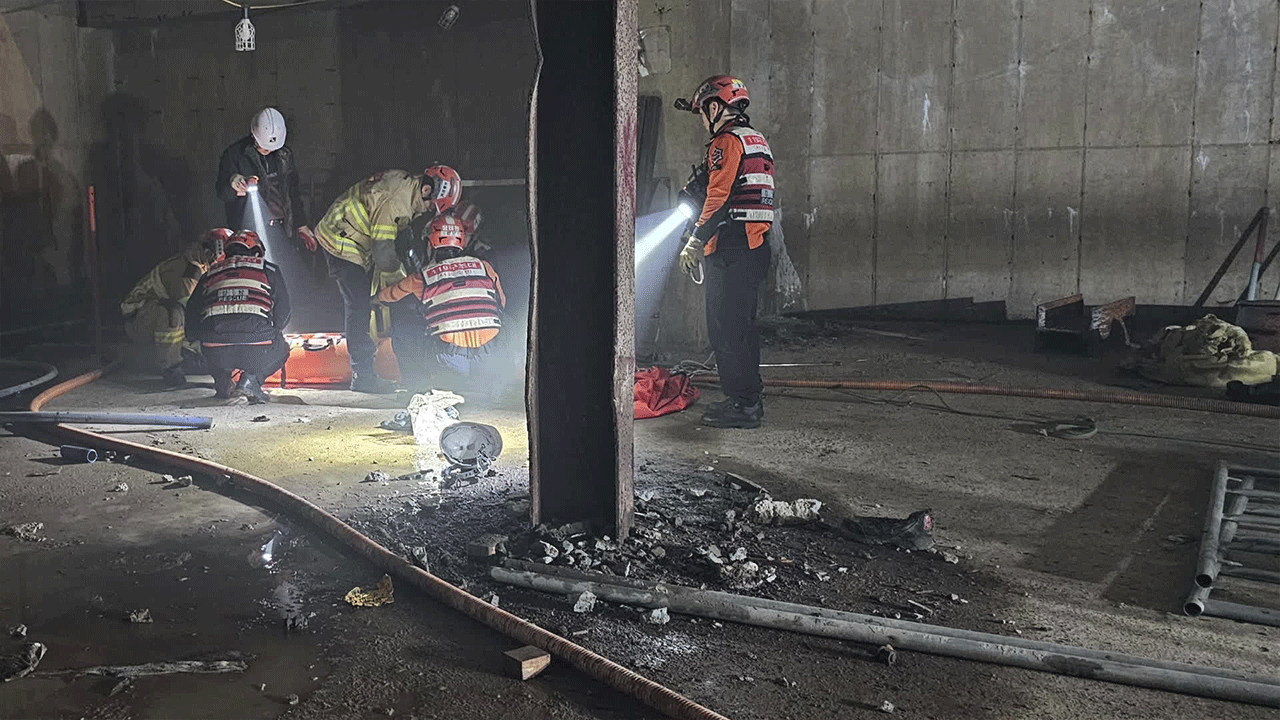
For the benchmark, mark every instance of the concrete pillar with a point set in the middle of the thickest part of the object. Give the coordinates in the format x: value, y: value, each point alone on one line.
x: 582, y: 212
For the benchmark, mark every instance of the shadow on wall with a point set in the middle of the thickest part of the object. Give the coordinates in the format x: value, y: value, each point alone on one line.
x: 41, y: 226
x: 137, y: 223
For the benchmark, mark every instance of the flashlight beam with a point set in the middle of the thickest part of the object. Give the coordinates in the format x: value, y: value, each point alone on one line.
x: 652, y: 240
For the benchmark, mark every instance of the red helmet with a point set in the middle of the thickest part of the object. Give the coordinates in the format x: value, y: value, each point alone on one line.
x: 215, y: 240
x: 442, y: 187
x: 245, y: 242
x: 468, y: 213
x: 727, y: 89
x: 446, y: 231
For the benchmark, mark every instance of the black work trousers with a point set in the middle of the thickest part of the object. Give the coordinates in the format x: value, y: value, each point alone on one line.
x: 732, y: 287
x: 260, y: 360
x: 354, y: 282
x: 409, y: 342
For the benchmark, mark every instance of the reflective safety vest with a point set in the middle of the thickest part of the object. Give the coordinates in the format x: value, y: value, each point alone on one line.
x: 238, y: 285
x: 460, y: 302
x: 751, y: 199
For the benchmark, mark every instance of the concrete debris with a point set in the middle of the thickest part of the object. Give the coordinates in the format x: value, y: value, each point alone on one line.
x: 418, y: 554
x: 182, y: 481
x: 738, y: 555
x: 767, y: 511
x: 140, y: 616
x: 18, y: 631
x: 657, y: 616
x: 377, y: 476
x: 542, y: 548
x: 746, y: 575
x: 23, y: 663
x: 28, y: 532
x: 949, y: 557
x: 485, y: 546
x: 645, y: 496
x: 698, y: 492
x: 293, y: 699
x: 706, y: 468
x: 491, y: 598
x: 262, y: 687
x: 822, y: 575
x: 585, y: 603
x: 713, y: 554
x: 121, y: 487
x: 382, y: 594
x: 887, y: 707
x: 658, y: 552
x: 259, y: 418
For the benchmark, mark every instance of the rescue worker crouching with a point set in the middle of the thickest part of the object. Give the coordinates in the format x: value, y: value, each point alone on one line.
x: 459, y: 301
x: 237, y: 313
x: 729, y: 238
x: 154, y: 311
x: 358, y: 237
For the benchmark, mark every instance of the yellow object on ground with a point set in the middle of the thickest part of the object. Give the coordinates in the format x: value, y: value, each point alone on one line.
x: 1210, y: 353
x: 382, y: 594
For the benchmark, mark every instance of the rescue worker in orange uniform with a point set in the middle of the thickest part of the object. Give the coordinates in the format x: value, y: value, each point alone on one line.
x: 237, y: 313
x: 154, y: 311
x: 459, y: 305
x: 729, y: 239
x: 358, y: 235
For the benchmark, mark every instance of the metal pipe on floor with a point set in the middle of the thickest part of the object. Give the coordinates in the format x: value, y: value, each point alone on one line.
x: 1210, y: 558
x: 107, y: 418
x: 44, y: 373
x: 1199, y: 603
x: 655, y: 695
x: 1061, y: 660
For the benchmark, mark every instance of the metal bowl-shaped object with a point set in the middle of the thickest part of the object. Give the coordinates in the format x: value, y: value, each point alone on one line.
x: 466, y: 442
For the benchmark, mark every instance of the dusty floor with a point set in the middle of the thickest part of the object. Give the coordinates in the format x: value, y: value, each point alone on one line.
x: 1075, y: 541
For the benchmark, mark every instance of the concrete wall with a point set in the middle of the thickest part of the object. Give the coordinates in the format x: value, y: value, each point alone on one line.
x: 1015, y: 150
x: 53, y: 75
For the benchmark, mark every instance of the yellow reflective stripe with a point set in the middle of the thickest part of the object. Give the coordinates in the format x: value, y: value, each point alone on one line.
x: 167, y: 337
x: 384, y: 232
x: 357, y: 214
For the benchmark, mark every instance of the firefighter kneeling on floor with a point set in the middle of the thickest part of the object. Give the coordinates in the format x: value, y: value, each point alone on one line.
x: 238, y: 313
x: 154, y: 310
x: 459, y: 307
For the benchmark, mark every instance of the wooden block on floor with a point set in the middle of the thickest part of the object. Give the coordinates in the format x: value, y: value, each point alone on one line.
x: 526, y: 662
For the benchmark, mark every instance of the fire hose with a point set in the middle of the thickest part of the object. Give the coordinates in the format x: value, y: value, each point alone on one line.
x: 658, y: 697
x: 1122, y: 397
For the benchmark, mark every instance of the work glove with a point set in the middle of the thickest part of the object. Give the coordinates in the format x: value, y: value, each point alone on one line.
x: 691, y: 254
x: 240, y: 184
x: 308, y: 238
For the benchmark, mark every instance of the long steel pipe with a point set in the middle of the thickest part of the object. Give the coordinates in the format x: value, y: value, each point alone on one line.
x: 1199, y: 603
x: 983, y: 647
x: 107, y: 418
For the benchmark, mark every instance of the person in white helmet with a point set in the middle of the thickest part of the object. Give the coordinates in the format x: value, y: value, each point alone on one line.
x: 261, y: 158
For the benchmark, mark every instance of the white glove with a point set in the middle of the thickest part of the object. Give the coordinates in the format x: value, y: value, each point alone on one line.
x: 240, y: 184
x: 691, y: 254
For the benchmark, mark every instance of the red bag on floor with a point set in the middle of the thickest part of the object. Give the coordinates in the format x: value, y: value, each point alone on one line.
x: 658, y: 392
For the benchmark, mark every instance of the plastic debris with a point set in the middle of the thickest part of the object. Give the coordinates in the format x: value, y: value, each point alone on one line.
x: 767, y: 511
x: 382, y: 594
x: 585, y: 603
x: 29, y: 532
x: 140, y: 616
x: 23, y: 663
x: 430, y: 413
x: 914, y: 532
x: 121, y: 487
x: 887, y: 654
x: 18, y: 631
x: 657, y: 616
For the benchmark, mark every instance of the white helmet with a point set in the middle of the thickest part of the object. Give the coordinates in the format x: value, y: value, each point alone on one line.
x: 268, y: 129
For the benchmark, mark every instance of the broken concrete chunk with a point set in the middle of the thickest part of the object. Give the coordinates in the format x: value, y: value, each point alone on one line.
x: 658, y: 552
x: 29, y: 532
x: 887, y: 707
x: 485, y: 546
x: 768, y: 511
x: 140, y: 616
x: 542, y: 547
x: 698, y: 492
x: 376, y: 476
x: 293, y: 699
x: 585, y: 603
x: 259, y: 418
x: 491, y: 598
x: 950, y: 558
x: 121, y: 487
x: 657, y: 616
x: 738, y: 555
x: 746, y: 575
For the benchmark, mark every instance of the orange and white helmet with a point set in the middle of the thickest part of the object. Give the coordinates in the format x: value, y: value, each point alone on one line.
x: 441, y: 187
x: 446, y: 231
x: 215, y: 240
x: 246, y: 242
x: 727, y: 89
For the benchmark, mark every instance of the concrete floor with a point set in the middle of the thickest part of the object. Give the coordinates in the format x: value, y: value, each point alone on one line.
x: 1083, y: 536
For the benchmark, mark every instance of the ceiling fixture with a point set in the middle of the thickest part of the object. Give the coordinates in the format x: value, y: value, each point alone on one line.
x: 244, y: 33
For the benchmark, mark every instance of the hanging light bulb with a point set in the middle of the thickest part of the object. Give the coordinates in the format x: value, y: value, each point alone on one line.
x: 244, y: 33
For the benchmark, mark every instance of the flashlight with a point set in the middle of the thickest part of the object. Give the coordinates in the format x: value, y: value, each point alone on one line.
x: 252, y: 184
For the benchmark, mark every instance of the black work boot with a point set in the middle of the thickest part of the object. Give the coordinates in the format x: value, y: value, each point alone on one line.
x: 371, y: 383
x: 718, y: 408
x: 251, y: 385
x: 172, y: 377
x: 735, y: 415
x: 222, y: 385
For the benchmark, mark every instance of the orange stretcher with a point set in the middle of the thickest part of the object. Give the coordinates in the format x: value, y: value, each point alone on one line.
x: 322, y: 359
